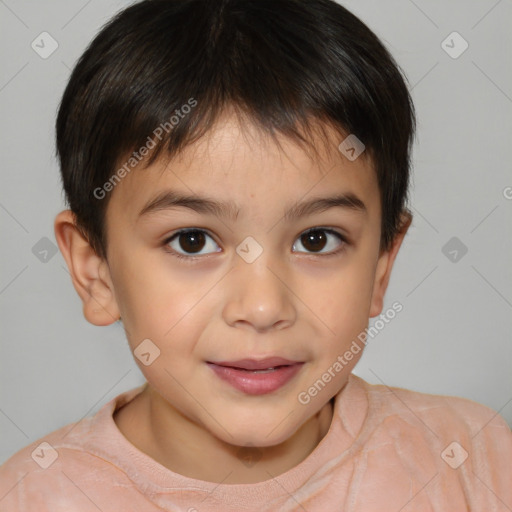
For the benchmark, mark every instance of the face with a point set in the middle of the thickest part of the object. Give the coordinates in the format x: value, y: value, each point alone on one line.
x: 262, y: 276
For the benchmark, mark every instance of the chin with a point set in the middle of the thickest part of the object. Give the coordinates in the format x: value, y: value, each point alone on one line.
x: 257, y: 434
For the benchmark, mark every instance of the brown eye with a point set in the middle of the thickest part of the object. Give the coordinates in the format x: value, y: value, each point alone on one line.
x: 191, y: 242
x: 315, y: 240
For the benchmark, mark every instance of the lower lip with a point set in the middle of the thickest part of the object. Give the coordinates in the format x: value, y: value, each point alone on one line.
x: 256, y: 383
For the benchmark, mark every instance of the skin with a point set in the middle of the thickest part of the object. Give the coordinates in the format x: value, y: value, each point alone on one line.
x: 302, y: 303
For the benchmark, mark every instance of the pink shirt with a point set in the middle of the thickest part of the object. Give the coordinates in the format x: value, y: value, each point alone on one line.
x: 387, y: 449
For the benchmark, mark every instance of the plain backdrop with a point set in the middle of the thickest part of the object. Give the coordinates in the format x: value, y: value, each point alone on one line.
x: 453, y: 275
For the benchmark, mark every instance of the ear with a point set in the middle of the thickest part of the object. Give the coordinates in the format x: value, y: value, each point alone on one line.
x: 384, y: 267
x: 90, y: 273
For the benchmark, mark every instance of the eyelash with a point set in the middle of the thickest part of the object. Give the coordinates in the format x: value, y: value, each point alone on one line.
x: 192, y: 259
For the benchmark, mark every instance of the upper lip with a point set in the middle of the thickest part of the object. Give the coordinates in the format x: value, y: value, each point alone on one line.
x: 256, y: 364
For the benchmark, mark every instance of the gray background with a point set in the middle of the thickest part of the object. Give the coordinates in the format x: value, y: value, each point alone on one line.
x: 453, y: 335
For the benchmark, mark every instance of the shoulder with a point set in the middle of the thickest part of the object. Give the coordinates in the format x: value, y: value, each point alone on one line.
x: 443, y: 414
x: 67, y: 466
x: 450, y: 429
x: 448, y: 453
x: 44, y: 472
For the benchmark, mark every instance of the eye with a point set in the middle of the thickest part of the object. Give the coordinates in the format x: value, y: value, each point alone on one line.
x: 316, y: 239
x: 191, y: 242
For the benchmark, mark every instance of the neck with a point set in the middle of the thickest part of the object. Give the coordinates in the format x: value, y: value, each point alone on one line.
x: 186, y: 448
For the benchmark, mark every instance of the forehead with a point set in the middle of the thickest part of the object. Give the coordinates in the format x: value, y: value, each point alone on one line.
x: 235, y: 163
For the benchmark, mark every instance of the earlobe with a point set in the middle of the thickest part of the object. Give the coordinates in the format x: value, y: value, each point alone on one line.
x: 384, y: 267
x: 89, y: 273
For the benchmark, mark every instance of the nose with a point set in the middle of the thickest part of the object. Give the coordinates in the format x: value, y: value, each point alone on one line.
x: 259, y: 297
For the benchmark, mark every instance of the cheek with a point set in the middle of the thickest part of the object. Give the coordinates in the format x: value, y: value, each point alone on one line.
x: 160, y: 303
x: 342, y: 299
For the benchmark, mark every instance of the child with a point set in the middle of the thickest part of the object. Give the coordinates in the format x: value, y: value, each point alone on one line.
x: 205, y: 147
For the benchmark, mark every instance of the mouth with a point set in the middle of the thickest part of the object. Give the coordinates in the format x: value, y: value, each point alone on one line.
x: 269, y: 363
x: 256, y: 377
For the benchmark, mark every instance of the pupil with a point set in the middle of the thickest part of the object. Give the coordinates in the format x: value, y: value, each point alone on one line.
x: 314, y: 240
x: 194, y: 241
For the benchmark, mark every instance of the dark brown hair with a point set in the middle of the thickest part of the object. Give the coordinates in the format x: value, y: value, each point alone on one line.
x: 283, y: 63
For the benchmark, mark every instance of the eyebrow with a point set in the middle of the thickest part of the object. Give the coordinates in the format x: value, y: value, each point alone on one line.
x: 170, y: 199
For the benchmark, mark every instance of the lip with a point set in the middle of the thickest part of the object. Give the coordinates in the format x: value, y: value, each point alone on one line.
x: 252, y: 383
x: 256, y: 364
